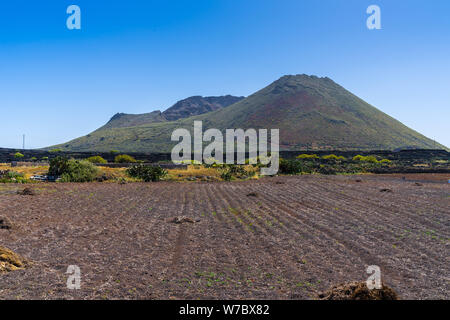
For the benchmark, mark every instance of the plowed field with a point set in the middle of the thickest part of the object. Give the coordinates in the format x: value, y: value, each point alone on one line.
x: 273, y: 238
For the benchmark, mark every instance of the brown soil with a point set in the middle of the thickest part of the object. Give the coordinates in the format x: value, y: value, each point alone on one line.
x: 358, y: 291
x: 299, y: 237
x: 420, y: 177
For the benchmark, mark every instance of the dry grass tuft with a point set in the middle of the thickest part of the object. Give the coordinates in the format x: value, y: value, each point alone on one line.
x: 10, y: 261
x: 358, y: 291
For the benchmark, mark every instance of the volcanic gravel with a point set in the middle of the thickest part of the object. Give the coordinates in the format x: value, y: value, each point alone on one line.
x: 299, y: 236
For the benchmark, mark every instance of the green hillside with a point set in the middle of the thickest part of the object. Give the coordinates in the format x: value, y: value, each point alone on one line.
x: 311, y: 113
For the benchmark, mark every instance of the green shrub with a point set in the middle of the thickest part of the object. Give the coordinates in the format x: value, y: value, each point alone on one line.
x: 229, y: 171
x: 44, y: 158
x: 326, y: 170
x: 55, y: 150
x: 290, y: 166
x: 58, y: 166
x: 226, y: 175
x: 385, y: 161
x: 79, y: 171
x: 114, y: 151
x: 333, y: 157
x: 72, y: 170
x: 18, y: 155
x: 146, y: 173
x: 96, y: 159
x: 124, y: 158
x: 33, y: 159
x: 371, y: 159
x: 307, y: 156
x: 12, y: 176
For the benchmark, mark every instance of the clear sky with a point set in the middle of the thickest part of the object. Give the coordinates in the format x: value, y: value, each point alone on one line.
x: 138, y: 56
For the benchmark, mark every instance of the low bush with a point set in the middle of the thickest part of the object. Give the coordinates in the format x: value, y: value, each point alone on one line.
x: 124, y: 158
x: 333, y: 157
x: 230, y: 171
x: 213, y: 163
x: 226, y: 175
x: 96, y: 159
x: 236, y: 170
x: 18, y: 155
x: 146, y: 173
x: 307, y: 156
x: 71, y: 170
x: 371, y: 159
x: 79, y: 171
x: 290, y: 166
x: 12, y: 176
x: 58, y: 166
x: 326, y: 170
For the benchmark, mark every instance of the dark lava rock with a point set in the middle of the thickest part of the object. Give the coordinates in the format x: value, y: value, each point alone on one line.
x: 26, y: 192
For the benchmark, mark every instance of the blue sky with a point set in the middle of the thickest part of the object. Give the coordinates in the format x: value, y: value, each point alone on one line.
x: 138, y: 56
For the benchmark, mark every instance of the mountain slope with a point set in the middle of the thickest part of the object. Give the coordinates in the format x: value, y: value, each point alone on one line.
x: 188, y: 107
x: 198, y: 105
x: 311, y: 113
x: 123, y: 120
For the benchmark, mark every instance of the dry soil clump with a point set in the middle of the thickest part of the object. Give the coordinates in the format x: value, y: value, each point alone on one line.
x: 26, y: 192
x: 10, y: 261
x: 5, y: 223
x: 358, y: 291
x: 182, y: 219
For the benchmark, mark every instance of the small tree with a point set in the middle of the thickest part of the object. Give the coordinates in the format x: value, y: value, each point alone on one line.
x: 146, y: 173
x: 73, y: 170
x: 18, y: 155
x: 79, y: 171
x: 58, y: 166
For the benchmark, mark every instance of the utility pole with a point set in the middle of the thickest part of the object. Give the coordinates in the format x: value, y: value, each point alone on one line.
x: 23, y: 143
